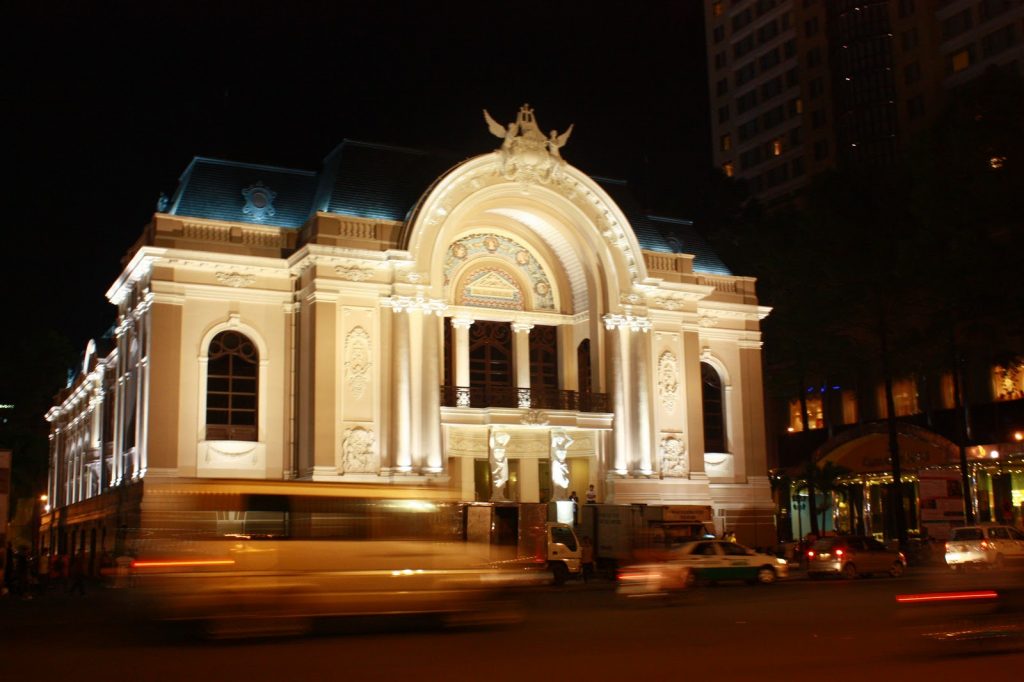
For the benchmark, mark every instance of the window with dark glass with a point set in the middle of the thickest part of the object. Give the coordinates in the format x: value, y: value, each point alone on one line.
x: 490, y: 361
x: 544, y: 363
x: 714, y: 409
x: 231, y: 387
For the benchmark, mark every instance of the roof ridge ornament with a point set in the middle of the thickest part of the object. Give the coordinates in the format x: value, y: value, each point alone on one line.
x: 527, y: 155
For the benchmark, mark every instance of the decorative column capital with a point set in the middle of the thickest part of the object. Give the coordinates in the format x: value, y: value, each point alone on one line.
x: 462, y: 322
x: 419, y: 302
x: 635, y: 323
x: 518, y: 327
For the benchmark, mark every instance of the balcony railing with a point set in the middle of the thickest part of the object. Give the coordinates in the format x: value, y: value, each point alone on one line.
x: 534, y: 398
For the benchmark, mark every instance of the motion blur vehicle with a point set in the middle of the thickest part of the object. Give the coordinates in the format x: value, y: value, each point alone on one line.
x: 263, y: 558
x: 715, y: 561
x: 964, y: 622
x: 242, y: 588
x: 985, y: 545
x: 850, y: 556
x: 654, y: 580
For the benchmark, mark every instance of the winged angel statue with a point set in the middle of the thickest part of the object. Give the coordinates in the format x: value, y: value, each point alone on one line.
x: 527, y: 154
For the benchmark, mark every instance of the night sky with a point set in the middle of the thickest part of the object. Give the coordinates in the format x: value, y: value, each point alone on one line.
x: 110, y: 103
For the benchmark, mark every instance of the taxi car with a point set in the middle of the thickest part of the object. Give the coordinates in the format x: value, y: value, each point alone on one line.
x: 722, y: 560
x: 985, y: 544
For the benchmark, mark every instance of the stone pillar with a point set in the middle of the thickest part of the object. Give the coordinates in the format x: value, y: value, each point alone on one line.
x: 460, y: 329
x: 430, y: 397
x: 694, y: 403
x: 641, y: 402
x: 468, y: 471
x: 415, y: 389
x: 401, y: 394
x: 521, y: 349
x: 620, y: 445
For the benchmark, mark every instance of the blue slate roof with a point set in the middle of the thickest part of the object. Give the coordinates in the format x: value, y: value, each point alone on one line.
x: 210, y: 188
x: 383, y: 183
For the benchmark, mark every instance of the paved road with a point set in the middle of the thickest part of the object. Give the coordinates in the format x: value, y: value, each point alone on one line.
x: 834, y: 630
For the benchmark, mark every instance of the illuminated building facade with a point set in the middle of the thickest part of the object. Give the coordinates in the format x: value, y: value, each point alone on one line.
x: 505, y: 325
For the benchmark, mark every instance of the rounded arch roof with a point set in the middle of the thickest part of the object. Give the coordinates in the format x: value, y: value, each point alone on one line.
x: 569, y: 214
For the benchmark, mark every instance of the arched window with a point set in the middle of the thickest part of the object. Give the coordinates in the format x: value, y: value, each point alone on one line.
x: 714, y: 409
x: 231, y: 388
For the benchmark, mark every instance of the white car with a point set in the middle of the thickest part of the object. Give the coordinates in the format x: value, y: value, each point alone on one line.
x: 986, y: 544
x: 705, y: 561
x: 720, y: 560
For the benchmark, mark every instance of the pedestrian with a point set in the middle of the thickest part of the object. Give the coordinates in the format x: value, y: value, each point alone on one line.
x: 575, y: 499
x: 591, y: 494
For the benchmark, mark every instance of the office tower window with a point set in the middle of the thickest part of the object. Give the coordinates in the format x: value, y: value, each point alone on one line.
x: 820, y: 150
x: 915, y: 106
x: 912, y: 73
x: 909, y: 38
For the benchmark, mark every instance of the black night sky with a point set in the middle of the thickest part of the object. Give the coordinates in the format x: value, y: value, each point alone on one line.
x: 110, y: 101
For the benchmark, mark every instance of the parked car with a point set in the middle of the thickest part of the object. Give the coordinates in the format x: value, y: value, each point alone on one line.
x: 849, y: 556
x: 984, y: 545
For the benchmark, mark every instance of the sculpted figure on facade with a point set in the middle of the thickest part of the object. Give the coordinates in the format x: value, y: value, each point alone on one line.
x: 357, y: 451
x: 673, y: 456
x: 560, y: 442
x: 499, y: 465
x: 527, y: 154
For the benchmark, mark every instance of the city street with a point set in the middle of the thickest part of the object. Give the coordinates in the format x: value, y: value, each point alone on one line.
x: 840, y: 629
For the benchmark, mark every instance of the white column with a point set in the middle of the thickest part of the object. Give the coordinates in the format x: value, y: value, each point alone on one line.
x: 417, y: 404
x: 401, y: 396
x: 430, y: 397
x: 618, y: 379
x: 521, y: 349
x: 460, y: 327
x: 142, y: 420
x: 117, y: 468
x: 641, y: 401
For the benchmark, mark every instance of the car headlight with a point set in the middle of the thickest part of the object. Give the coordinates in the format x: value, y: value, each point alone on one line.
x: 780, y: 561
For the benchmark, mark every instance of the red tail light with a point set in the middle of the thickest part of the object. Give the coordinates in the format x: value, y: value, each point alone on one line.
x: 839, y: 552
x: 947, y: 548
x: 810, y: 554
x: 984, y: 544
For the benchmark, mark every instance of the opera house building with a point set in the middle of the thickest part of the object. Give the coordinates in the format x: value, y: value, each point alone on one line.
x: 503, y: 327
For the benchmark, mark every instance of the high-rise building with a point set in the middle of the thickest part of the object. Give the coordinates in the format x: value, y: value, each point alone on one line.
x: 798, y: 86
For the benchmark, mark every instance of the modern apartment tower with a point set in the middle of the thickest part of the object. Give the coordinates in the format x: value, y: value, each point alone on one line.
x: 797, y: 86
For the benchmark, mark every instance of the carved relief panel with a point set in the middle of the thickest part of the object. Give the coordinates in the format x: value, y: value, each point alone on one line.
x: 357, y: 452
x: 673, y: 455
x: 668, y: 380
